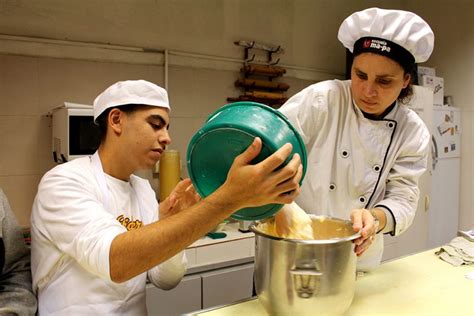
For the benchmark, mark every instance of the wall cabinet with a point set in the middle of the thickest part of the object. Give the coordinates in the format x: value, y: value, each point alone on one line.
x: 182, y: 299
x: 202, y: 290
x: 227, y: 285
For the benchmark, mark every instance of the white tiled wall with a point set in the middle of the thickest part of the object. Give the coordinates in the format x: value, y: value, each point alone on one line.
x: 21, y: 191
x: 453, y: 59
x: 31, y: 86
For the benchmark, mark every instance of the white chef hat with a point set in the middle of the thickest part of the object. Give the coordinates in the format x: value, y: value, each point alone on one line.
x: 400, y: 35
x: 130, y: 92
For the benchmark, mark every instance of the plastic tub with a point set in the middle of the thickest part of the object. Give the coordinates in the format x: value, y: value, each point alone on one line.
x: 226, y: 134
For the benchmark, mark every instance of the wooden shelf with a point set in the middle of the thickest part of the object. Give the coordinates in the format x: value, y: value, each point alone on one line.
x: 274, y: 103
x: 257, y: 78
x: 263, y: 70
x: 250, y: 83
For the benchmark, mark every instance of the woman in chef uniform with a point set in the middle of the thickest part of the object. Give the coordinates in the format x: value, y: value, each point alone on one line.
x: 366, y: 149
x: 97, y: 233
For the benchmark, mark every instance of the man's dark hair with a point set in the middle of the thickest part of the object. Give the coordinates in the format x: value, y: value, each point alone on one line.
x: 102, y: 119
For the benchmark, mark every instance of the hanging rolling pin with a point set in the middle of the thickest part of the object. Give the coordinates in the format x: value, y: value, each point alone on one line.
x: 170, y: 170
x: 271, y: 71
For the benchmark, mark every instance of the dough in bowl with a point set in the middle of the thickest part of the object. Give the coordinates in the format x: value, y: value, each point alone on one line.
x: 290, y: 222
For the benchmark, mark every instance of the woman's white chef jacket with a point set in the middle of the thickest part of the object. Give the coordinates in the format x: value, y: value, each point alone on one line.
x: 356, y: 162
x: 72, y: 229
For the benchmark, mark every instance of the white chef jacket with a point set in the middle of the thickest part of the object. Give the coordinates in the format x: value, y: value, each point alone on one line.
x: 357, y: 162
x: 73, y: 223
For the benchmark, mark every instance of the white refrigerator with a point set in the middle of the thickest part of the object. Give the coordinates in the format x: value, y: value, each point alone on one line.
x: 443, y: 218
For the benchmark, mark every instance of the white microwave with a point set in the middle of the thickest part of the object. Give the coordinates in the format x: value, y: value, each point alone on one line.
x: 74, y: 132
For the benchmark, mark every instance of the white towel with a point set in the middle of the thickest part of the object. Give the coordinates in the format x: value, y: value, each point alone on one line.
x: 458, y: 252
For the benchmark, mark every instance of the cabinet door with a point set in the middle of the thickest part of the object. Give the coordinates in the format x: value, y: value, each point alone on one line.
x: 184, y: 298
x: 227, y: 285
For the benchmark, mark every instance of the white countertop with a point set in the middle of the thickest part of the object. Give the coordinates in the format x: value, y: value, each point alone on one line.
x: 232, y: 232
x: 236, y: 247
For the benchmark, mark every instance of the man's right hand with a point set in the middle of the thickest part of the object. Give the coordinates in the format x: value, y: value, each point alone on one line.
x: 250, y: 185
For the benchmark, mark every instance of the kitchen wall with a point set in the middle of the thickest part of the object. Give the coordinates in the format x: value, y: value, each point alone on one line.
x: 453, y: 59
x: 29, y: 88
x: 37, y: 74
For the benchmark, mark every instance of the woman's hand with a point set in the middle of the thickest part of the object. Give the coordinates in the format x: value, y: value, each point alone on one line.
x: 182, y: 197
x: 363, y: 221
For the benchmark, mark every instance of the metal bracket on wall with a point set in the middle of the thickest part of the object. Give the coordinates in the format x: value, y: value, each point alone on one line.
x: 268, y: 49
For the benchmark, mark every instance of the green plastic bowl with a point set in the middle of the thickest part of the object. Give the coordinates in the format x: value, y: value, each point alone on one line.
x: 226, y: 134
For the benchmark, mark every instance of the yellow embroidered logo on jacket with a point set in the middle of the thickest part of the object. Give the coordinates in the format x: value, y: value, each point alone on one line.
x: 128, y: 223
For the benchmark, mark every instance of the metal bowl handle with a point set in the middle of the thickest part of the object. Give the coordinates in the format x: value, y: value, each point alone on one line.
x: 306, y: 282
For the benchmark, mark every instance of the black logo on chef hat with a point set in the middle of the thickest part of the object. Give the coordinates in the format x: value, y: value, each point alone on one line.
x: 384, y: 47
x: 377, y: 44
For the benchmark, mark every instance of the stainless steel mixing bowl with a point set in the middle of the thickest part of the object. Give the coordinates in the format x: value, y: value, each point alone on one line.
x: 307, y: 277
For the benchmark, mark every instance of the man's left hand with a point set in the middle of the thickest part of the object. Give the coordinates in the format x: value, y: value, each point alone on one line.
x: 182, y: 197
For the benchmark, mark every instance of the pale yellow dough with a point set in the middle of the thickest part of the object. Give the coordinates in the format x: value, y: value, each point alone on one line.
x: 290, y: 222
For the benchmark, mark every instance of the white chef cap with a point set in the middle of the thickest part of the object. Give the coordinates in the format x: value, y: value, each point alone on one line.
x: 400, y: 35
x: 130, y: 92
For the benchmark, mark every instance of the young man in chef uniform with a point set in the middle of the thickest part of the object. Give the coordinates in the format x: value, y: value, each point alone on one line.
x: 97, y: 230
x: 366, y: 148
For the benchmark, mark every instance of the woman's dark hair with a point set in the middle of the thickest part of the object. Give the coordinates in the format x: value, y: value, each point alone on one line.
x: 405, y: 95
x: 102, y: 119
